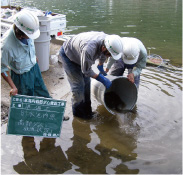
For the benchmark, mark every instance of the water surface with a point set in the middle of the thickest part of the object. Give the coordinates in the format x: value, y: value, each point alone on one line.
x: 158, y: 24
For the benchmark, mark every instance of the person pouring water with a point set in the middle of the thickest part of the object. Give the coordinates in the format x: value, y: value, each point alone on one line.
x: 78, y: 55
x: 133, y: 58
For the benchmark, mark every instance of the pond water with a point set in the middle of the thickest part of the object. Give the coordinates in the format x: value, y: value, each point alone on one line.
x: 158, y: 24
x: 147, y: 140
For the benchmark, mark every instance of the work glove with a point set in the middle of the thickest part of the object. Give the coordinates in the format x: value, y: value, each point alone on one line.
x: 101, y: 69
x: 105, y: 81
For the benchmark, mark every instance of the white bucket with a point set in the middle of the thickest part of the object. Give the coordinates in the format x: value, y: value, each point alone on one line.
x: 44, y: 23
x: 42, y: 53
x: 42, y: 44
x: 121, y: 96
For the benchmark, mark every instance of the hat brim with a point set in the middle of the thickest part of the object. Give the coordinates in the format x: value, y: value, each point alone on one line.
x: 127, y: 61
x: 35, y: 35
x: 116, y: 57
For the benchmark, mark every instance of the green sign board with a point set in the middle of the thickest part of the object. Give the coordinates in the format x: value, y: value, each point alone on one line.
x: 35, y: 116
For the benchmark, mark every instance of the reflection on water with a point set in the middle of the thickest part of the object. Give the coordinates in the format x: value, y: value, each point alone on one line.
x: 49, y: 159
x: 98, y: 148
x: 108, y: 155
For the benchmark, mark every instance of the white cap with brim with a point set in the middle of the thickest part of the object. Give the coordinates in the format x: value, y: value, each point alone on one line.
x: 130, y: 59
x: 35, y: 35
x: 115, y: 55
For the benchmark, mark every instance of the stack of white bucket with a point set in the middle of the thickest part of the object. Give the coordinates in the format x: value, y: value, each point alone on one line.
x: 42, y: 44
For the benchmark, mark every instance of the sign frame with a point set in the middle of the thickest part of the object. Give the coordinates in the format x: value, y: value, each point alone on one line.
x: 35, y: 116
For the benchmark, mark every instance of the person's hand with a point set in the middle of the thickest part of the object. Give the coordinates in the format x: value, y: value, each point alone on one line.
x: 106, y: 70
x: 105, y: 81
x: 101, y: 69
x: 131, y: 77
x: 13, y: 91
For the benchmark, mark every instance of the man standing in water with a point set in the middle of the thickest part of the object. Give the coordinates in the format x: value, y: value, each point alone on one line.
x: 133, y: 58
x: 78, y: 54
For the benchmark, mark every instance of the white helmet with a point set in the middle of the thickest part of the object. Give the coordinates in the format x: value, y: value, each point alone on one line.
x: 114, y: 46
x: 28, y: 23
x: 131, y: 51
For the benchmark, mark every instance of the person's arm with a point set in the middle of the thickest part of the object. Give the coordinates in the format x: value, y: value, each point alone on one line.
x: 99, y: 77
x: 141, y: 63
x: 6, y: 58
x: 95, y: 76
x: 110, y: 62
x: 86, y: 63
x: 101, y: 69
x: 7, y: 78
x: 105, y: 81
x: 131, y: 77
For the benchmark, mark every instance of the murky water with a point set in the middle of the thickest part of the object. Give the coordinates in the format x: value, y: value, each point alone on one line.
x: 147, y: 140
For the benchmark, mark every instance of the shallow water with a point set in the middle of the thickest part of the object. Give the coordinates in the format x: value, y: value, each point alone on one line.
x: 147, y: 140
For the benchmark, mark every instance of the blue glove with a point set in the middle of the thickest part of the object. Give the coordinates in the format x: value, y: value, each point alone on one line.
x: 101, y: 69
x: 105, y: 81
x: 48, y: 13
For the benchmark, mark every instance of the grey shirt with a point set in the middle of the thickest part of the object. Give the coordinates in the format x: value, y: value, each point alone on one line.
x: 84, y: 49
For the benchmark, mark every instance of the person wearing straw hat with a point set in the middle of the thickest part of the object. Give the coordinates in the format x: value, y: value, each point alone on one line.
x: 18, y: 55
x: 133, y: 58
x: 78, y: 55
